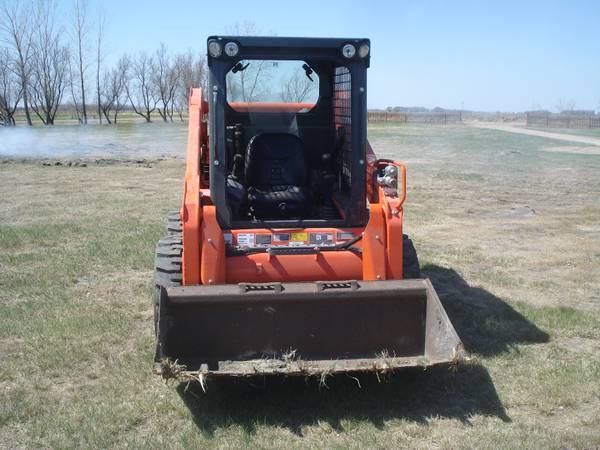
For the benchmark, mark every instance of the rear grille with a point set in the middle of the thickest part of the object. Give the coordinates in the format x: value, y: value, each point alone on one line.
x: 342, y: 113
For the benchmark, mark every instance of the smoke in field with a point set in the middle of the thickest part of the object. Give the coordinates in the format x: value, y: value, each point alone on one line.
x: 92, y: 141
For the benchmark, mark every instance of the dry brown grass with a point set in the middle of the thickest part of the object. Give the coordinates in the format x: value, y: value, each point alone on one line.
x: 508, y: 234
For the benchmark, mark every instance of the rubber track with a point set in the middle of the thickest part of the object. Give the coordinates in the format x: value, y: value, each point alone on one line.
x: 174, y: 223
x: 167, y: 260
x: 167, y: 268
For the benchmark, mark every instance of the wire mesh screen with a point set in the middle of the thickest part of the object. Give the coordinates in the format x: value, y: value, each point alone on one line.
x: 342, y: 114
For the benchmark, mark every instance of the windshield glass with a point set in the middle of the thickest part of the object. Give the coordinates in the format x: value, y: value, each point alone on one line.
x: 268, y: 81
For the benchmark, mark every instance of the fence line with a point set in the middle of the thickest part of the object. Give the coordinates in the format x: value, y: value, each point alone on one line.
x: 401, y: 117
x: 549, y: 120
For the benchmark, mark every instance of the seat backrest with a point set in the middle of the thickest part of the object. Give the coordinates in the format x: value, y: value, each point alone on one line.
x: 275, y: 159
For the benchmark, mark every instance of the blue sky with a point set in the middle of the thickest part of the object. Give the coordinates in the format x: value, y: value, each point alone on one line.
x: 484, y: 55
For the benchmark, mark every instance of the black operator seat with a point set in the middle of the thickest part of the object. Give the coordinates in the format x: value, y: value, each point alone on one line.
x: 276, y: 176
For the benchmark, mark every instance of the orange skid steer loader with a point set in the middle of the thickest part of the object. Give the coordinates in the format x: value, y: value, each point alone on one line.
x: 288, y: 254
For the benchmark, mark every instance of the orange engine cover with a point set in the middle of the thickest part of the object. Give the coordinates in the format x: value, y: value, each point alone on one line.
x: 262, y: 267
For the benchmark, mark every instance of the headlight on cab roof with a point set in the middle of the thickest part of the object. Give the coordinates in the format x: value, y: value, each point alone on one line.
x: 231, y: 49
x: 363, y: 50
x: 348, y: 51
x: 214, y: 48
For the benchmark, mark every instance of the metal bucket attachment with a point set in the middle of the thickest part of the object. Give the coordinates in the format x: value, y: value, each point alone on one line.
x: 305, y: 328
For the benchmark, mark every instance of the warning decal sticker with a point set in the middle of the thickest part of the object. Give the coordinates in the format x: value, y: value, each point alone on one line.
x: 302, y: 237
x: 245, y: 239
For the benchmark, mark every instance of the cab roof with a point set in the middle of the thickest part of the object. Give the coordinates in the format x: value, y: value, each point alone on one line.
x: 275, y: 47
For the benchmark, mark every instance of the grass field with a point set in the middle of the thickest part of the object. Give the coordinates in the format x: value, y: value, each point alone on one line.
x: 508, y: 232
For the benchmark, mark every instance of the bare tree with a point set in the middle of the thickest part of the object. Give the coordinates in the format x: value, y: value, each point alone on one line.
x: 113, y: 89
x: 244, y: 28
x: 80, y: 30
x: 11, y: 89
x: 570, y: 105
x: 253, y: 82
x: 140, y: 89
x: 17, y: 30
x: 193, y: 74
x: 123, y: 73
x: 165, y: 78
x: 99, y: 59
x: 108, y: 93
x: 73, y: 89
x: 297, y: 88
x: 49, y: 64
x: 560, y: 105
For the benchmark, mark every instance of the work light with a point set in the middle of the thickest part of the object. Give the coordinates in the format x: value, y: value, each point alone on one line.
x: 363, y: 50
x: 390, y: 179
x: 214, y: 48
x: 348, y: 51
x: 231, y: 49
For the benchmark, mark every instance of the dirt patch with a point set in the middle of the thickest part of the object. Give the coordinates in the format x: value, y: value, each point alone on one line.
x: 85, y: 162
x: 11, y: 346
x: 546, y: 134
x: 577, y: 150
x: 11, y: 298
x: 581, y: 345
x: 588, y: 228
x: 514, y: 212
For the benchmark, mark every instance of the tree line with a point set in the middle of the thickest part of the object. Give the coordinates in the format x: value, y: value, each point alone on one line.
x: 46, y: 63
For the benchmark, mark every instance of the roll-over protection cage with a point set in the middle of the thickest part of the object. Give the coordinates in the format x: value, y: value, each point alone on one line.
x: 345, y: 113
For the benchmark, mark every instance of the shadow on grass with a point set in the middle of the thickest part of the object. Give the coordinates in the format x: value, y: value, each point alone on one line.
x: 486, y: 324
